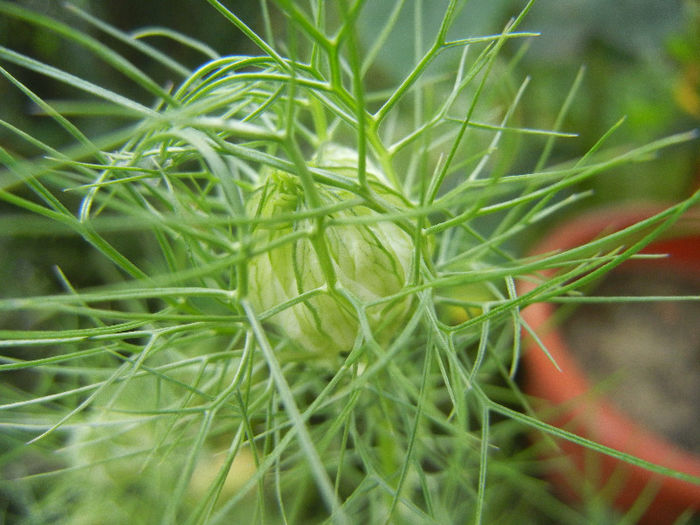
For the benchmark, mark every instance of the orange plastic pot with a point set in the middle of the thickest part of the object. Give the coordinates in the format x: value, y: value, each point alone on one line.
x: 568, y: 393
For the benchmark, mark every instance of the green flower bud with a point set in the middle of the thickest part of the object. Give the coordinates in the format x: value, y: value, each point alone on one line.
x: 369, y: 260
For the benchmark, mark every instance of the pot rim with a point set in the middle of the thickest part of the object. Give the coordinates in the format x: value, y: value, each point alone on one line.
x: 594, y: 416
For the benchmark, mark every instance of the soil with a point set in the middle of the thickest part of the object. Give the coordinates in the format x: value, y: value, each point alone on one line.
x: 645, y: 355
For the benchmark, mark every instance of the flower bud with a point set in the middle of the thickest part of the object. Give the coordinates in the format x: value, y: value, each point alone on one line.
x: 369, y: 260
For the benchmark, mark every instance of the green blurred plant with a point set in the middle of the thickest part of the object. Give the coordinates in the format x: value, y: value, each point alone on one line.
x: 685, y: 48
x: 170, y: 391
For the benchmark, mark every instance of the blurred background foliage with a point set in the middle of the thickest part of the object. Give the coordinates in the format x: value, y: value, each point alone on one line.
x: 641, y: 60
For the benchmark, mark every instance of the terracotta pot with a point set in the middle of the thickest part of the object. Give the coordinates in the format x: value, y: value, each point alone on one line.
x: 586, y: 413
